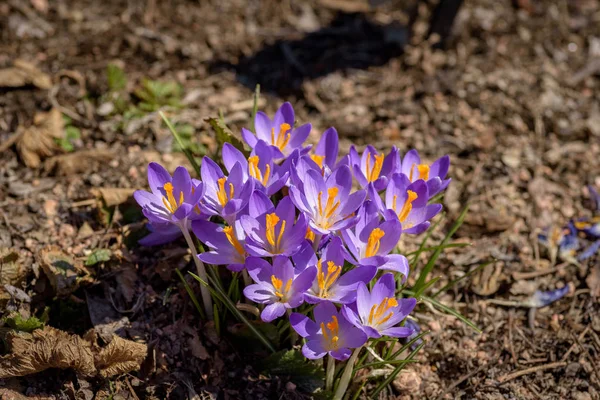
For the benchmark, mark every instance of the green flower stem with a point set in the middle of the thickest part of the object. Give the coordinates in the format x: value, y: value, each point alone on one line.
x: 346, y: 376
x: 330, y: 373
x: 206, y: 298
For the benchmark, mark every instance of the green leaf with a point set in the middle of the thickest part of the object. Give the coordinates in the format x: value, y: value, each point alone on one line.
x: 117, y: 80
x: 451, y: 284
x: 307, y: 375
x: 431, y: 263
x: 186, y: 151
x: 190, y: 293
x: 248, y: 341
x: 448, y: 310
x: 426, y: 286
x: 254, y: 107
x: 65, y: 144
x: 219, y: 294
x: 155, y: 94
x: 100, y: 255
x: 395, y: 372
x: 224, y: 135
x: 425, y: 239
x: 72, y: 133
x: 17, y: 322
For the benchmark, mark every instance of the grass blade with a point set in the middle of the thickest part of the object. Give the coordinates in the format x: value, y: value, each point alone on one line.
x: 451, y: 284
x: 186, y: 151
x: 431, y: 263
x: 440, y: 246
x: 254, y: 107
x: 395, y: 372
x: 218, y: 292
x: 425, y: 239
x: 190, y: 293
x: 426, y: 286
x: 451, y: 311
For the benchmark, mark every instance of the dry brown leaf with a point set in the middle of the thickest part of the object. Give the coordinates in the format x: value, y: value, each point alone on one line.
x: 487, y: 281
x: 113, y: 196
x: 12, y: 271
x: 126, y: 280
x: 64, y: 273
x: 120, y: 356
x: 38, y: 141
x: 74, y: 163
x: 23, y: 73
x: 8, y: 394
x: 43, y: 349
x: 197, y: 348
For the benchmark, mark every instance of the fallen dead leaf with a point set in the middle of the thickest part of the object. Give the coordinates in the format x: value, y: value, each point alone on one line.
x: 8, y: 394
x: 75, y: 163
x: 113, y: 196
x: 197, y: 348
x: 23, y: 73
x: 126, y: 279
x: 43, y: 349
x: 64, y: 273
x: 38, y: 140
x: 12, y: 271
x: 120, y: 356
x: 487, y: 281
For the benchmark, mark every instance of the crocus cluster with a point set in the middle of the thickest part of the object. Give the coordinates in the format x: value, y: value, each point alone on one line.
x: 315, y: 231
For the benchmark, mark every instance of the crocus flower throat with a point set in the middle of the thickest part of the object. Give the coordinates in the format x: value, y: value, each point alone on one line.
x: 274, y: 240
x: 255, y: 172
x: 407, y: 207
x: 378, y: 315
x: 331, y: 332
x: 330, y: 208
x: 283, y: 137
x: 422, y: 169
x: 228, y: 230
x: 374, y: 242
x: 326, y: 279
x: 373, y: 174
x: 280, y: 290
x: 222, y: 193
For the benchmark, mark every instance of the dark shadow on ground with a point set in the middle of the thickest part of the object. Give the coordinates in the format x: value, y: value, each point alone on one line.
x: 351, y: 41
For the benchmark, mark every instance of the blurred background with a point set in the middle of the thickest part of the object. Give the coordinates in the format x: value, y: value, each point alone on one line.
x: 509, y: 89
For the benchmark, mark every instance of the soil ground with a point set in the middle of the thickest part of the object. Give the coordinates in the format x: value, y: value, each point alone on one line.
x: 513, y: 97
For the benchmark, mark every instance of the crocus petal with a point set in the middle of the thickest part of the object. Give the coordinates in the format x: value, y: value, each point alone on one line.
x: 389, y: 241
x: 231, y: 155
x: 299, y: 136
x: 304, y: 281
x: 157, y: 177
x: 303, y: 325
x: 214, y: 258
x: 258, y: 269
x: 313, y: 349
x: 161, y: 236
x: 259, y: 204
x: 263, y: 126
x: 341, y: 354
x: 411, y: 158
x: 399, y: 332
x: 396, y: 263
x: 384, y: 287
x: 356, y: 275
x: 249, y: 138
x: 351, y: 316
x: 363, y: 301
x: 354, y: 337
x: 328, y: 146
x: 259, y: 293
x: 272, y: 312
x: 323, y: 312
x: 210, y: 173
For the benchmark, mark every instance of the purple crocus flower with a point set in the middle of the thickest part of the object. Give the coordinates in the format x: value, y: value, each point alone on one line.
x: 370, y: 241
x: 226, y: 244
x: 407, y: 202
x: 324, y: 155
x: 225, y: 195
x: 260, y: 166
x: 278, y: 286
x: 542, y: 299
x: 590, y: 226
x: 330, y: 332
x: 374, y: 168
x: 326, y: 201
x: 589, y: 251
x: 433, y: 174
x: 595, y: 197
x: 279, y: 132
x: 378, y: 312
x: 272, y: 230
x: 172, y: 201
x: 331, y: 284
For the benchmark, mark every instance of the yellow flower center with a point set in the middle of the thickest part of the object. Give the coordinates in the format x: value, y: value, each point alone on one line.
x: 222, y: 193
x: 283, y: 137
x: 373, y: 174
x: 331, y: 332
x: 274, y: 239
x: 330, y: 207
x: 423, y: 170
x: 310, y: 235
x: 255, y: 172
x: 378, y: 316
x: 326, y: 280
x: 170, y: 203
x: 280, y: 290
x: 407, y: 207
x: 374, y: 242
x: 318, y: 159
x: 230, y: 234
